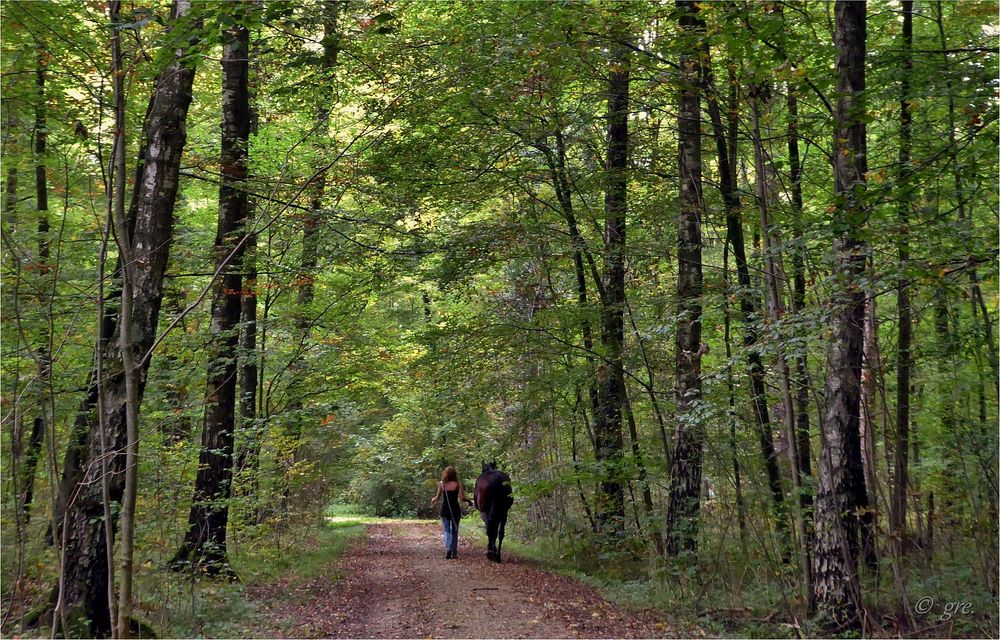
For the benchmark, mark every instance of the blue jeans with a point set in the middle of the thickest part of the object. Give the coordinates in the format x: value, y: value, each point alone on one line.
x: 450, y: 529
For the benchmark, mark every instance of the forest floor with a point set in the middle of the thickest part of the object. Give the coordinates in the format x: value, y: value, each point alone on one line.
x: 394, y: 582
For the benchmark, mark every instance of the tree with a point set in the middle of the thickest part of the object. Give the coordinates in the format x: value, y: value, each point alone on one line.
x: 204, y: 545
x: 685, y: 472
x: 836, y: 589
x: 83, y: 584
x: 897, y: 512
x: 42, y: 353
x: 312, y: 221
x: 608, y: 437
x: 748, y: 298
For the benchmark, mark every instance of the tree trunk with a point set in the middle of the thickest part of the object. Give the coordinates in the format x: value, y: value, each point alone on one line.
x: 647, y: 494
x: 798, y: 305
x: 611, y: 394
x: 800, y: 376
x: 43, y: 359
x: 561, y: 185
x: 773, y: 275
x: 84, y: 592
x: 836, y: 590
x: 871, y: 371
x: 126, y: 331
x: 685, y: 472
x: 578, y: 408
x: 897, y: 511
x: 749, y: 303
x: 204, y: 544
x: 310, y: 241
x: 249, y: 456
x: 741, y: 508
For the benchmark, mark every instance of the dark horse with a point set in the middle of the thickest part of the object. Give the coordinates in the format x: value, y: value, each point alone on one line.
x: 493, y: 499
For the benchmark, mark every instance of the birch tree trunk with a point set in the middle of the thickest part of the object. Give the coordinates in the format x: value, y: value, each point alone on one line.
x: 836, y: 590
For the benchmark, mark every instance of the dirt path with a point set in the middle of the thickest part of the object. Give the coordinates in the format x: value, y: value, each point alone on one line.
x: 395, y: 583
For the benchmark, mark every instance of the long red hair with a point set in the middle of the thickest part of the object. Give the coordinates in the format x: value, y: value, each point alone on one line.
x: 449, y: 474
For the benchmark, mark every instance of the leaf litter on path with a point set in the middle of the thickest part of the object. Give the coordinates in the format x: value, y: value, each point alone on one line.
x: 395, y: 583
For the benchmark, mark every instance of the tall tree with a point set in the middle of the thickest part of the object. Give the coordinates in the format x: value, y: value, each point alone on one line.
x: 608, y: 433
x: 248, y: 455
x: 311, y: 225
x: 897, y: 508
x: 83, y: 585
x: 684, y: 503
x: 798, y: 299
x: 121, y: 619
x: 43, y: 358
x: 204, y: 544
x: 748, y: 300
x: 774, y: 275
x: 836, y: 590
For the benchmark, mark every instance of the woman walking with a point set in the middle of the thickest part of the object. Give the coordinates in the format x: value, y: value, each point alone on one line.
x: 451, y: 512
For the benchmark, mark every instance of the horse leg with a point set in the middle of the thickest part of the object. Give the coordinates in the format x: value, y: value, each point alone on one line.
x: 503, y: 525
x: 491, y: 534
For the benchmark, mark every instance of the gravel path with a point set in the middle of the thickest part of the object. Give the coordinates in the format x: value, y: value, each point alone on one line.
x: 395, y: 583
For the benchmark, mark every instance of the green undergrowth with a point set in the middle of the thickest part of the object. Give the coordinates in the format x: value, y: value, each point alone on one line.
x: 198, y: 607
x: 691, y: 602
x: 725, y: 595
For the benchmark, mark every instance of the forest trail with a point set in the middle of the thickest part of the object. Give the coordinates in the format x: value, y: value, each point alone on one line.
x: 395, y: 583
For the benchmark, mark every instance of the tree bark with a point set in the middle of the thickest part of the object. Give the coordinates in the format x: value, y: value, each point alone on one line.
x: 126, y: 331
x: 249, y: 456
x: 150, y: 221
x: 685, y: 472
x: 611, y: 393
x: 204, y: 545
x: 741, y: 508
x: 798, y: 305
x: 836, y: 590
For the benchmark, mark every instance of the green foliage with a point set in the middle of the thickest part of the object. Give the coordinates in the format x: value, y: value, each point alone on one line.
x: 446, y: 325
x: 186, y: 608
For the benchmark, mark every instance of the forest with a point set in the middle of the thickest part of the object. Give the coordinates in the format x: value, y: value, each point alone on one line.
x: 714, y: 282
